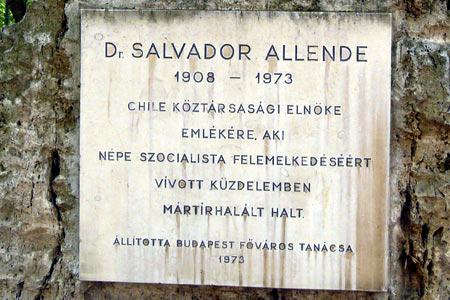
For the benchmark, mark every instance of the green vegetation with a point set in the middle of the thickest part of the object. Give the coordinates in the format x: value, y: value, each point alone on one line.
x: 13, y: 12
x: 5, y: 19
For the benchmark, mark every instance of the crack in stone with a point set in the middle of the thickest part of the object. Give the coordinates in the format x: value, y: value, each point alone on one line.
x: 32, y: 194
x: 19, y: 290
x: 48, y: 276
x: 55, y: 170
x: 57, y: 254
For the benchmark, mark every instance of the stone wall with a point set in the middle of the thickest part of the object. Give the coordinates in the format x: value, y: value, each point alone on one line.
x: 39, y: 153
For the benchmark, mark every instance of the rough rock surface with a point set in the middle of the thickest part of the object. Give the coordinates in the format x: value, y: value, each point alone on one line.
x: 39, y: 150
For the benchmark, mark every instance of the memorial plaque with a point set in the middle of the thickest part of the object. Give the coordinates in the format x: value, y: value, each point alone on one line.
x: 235, y: 148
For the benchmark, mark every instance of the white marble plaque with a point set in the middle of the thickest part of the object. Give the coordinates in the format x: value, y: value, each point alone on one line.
x: 235, y: 148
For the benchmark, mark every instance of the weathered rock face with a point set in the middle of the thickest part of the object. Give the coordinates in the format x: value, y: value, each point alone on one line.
x: 39, y: 150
